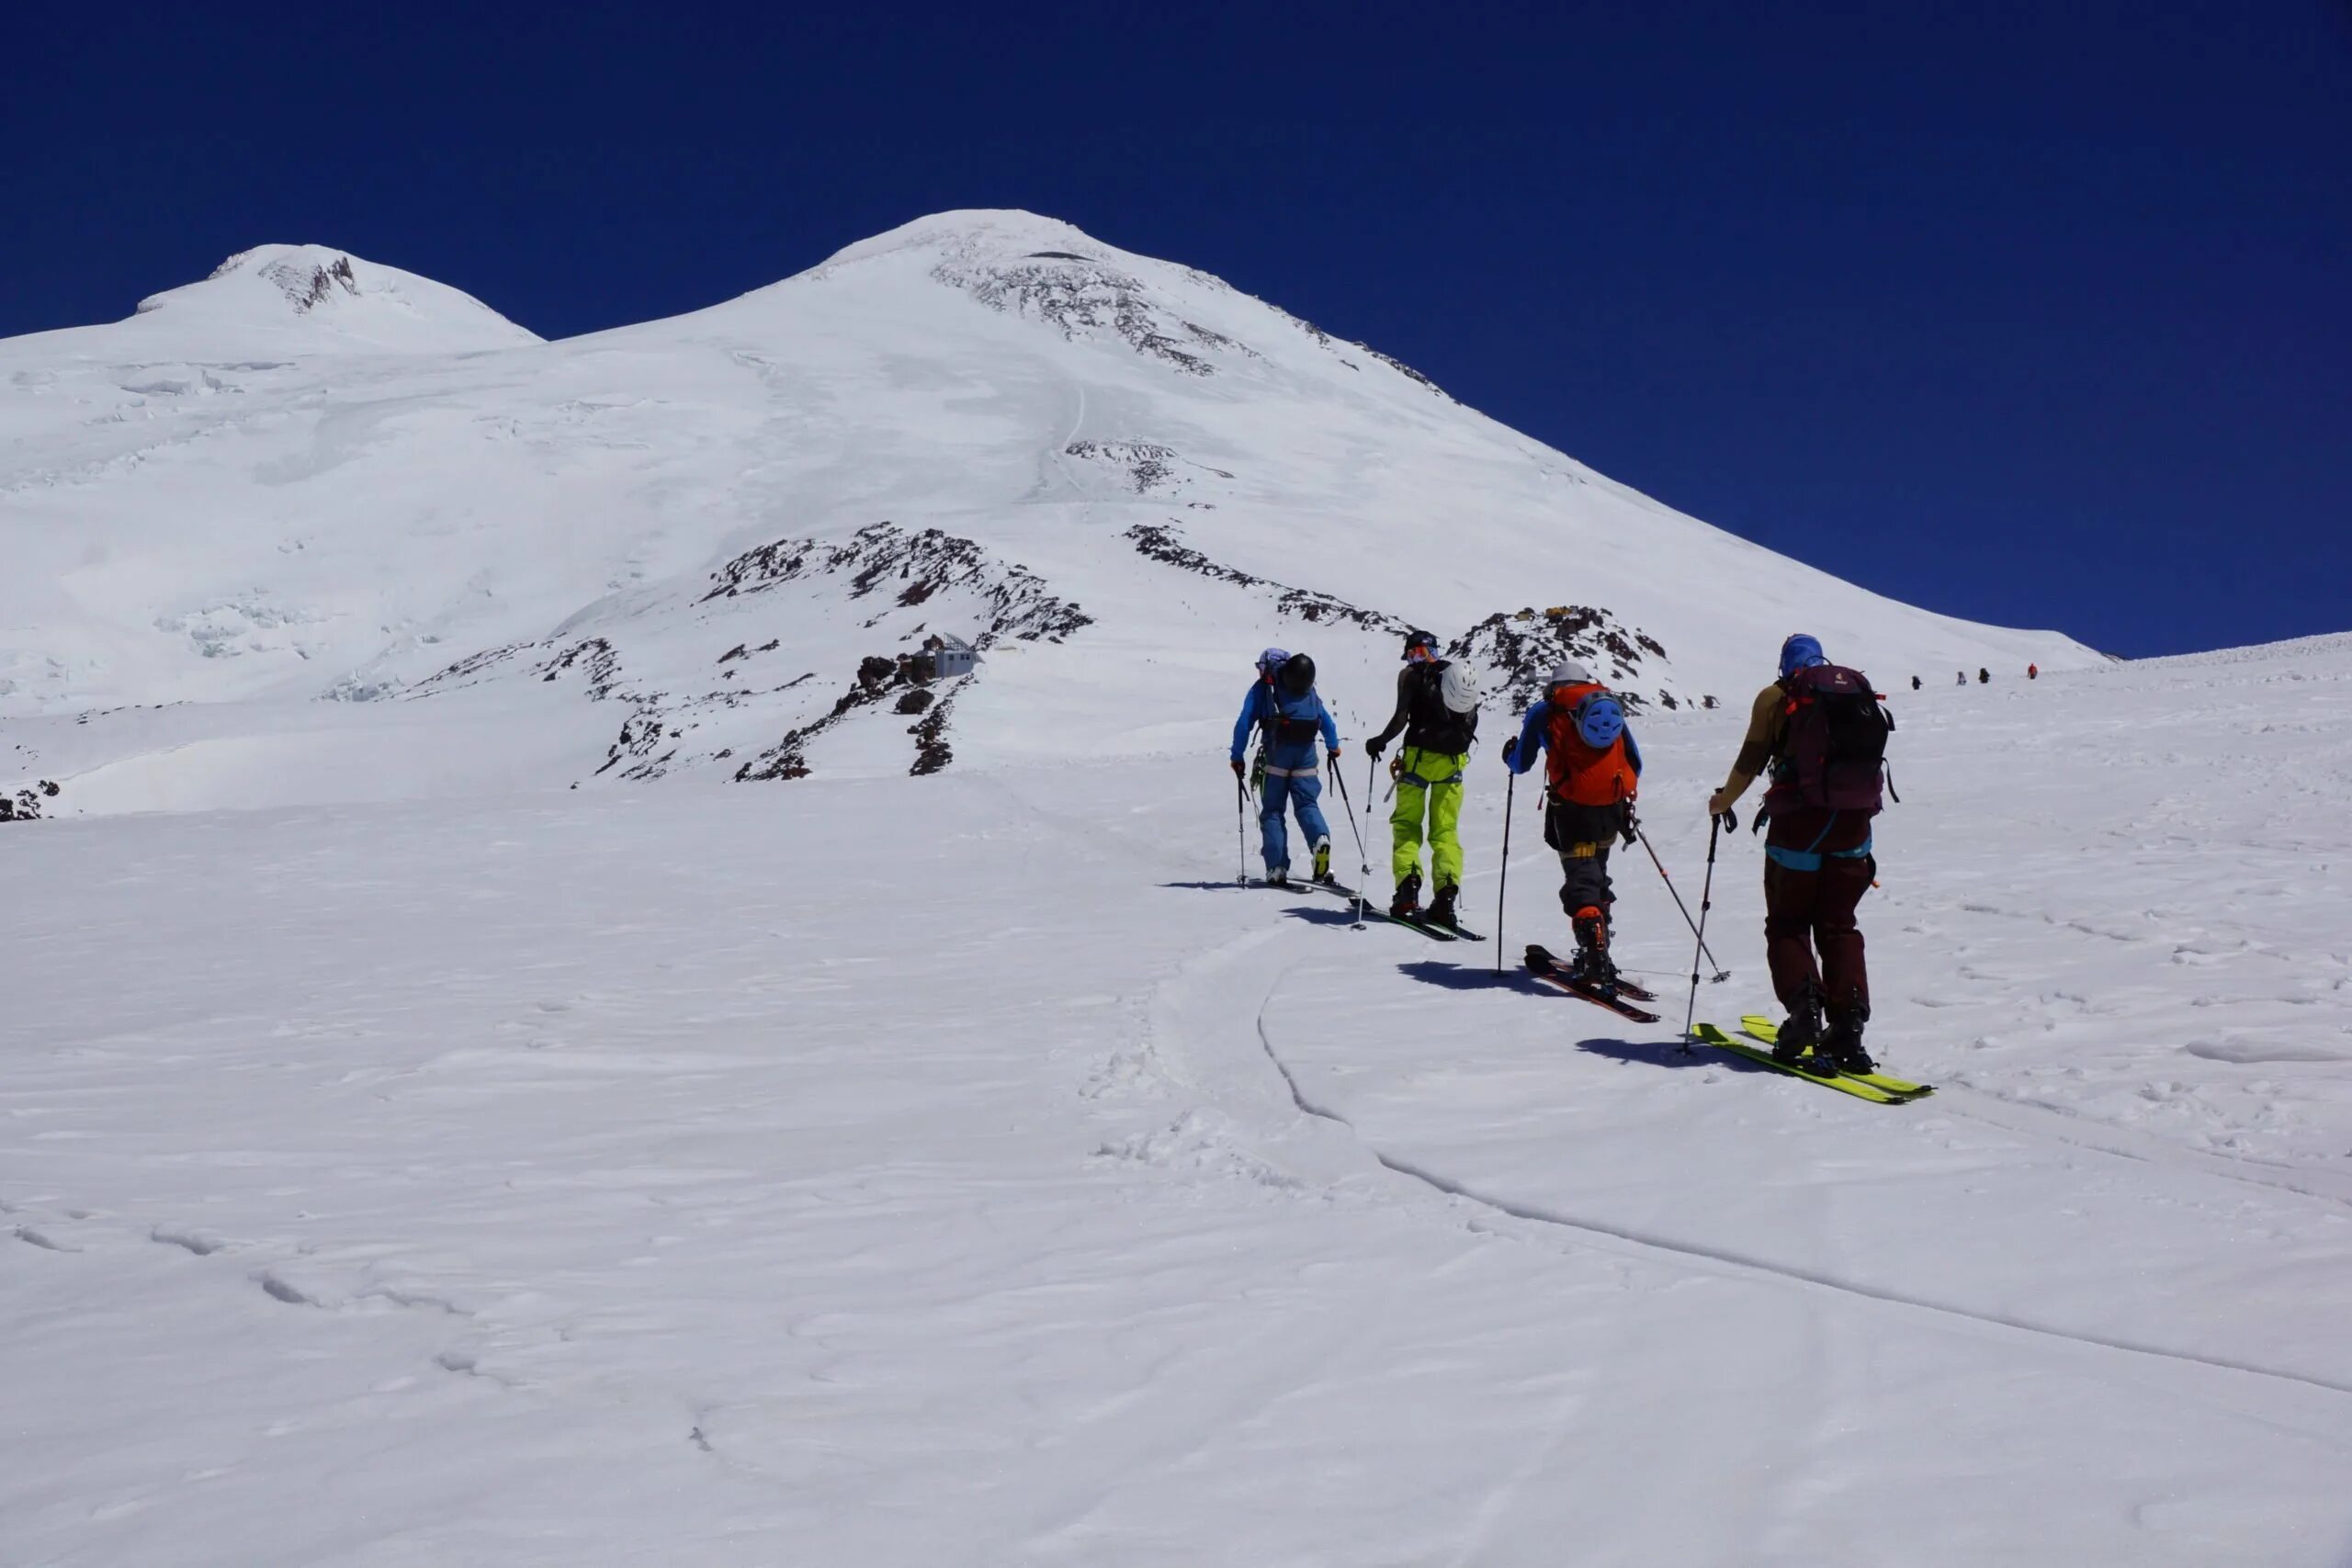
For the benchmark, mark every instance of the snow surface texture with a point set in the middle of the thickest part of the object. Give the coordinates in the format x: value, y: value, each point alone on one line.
x: 251, y: 530
x: 432, y: 1166
x: 964, y: 1170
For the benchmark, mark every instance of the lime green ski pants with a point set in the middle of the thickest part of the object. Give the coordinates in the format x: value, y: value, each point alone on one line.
x: 1428, y: 785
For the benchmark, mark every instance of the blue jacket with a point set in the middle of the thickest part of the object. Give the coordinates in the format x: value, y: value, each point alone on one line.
x: 1264, y: 703
x: 1535, y: 735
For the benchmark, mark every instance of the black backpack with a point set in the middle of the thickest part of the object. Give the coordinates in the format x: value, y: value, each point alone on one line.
x: 1294, y: 680
x: 1429, y: 723
x: 1296, y: 677
x: 1836, y: 752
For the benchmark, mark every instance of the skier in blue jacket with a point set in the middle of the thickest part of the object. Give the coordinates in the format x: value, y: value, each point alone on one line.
x: 1283, y: 704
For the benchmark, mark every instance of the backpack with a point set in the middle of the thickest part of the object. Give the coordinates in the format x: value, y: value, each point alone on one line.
x: 1835, y: 756
x: 1580, y: 773
x: 1293, y: 681
x: 1441, y: 707
x: 1296, y: 677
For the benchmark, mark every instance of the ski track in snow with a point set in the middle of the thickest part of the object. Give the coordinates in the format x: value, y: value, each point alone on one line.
x: 1748, y: 1262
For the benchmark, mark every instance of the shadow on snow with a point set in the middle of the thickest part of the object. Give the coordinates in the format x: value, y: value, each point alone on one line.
x: 1670, y: 1053
x: 1471, y: 977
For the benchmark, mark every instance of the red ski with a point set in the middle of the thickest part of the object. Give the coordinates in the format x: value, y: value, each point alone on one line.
x: 1544, y: 967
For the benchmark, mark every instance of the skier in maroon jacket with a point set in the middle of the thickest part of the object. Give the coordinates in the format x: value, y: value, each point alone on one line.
x: 1821, y: 734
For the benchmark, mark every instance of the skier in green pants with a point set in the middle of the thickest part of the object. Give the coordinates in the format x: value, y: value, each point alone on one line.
x: 1437, y: 709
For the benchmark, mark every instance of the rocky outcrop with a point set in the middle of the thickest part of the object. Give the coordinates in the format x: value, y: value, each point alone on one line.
x: 1518, y: 649
x: 24, y: 805
x: 884, y: 558
x: 1163, y: 543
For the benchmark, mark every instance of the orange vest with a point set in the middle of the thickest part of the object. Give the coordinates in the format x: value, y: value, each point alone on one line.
x: 1580, y: 775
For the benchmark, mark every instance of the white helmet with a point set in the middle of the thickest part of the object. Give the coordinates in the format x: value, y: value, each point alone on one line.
x: 1457, y: 686
x: 1568, y: 673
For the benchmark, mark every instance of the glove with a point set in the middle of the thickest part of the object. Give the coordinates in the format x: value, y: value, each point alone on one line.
x: 1373, y: 748
x: 1510, y: 752
x: 1237, y: 767
x: 1631, y: 831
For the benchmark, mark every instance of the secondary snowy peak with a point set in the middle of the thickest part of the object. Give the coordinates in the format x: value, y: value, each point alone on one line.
x: 305, y: 300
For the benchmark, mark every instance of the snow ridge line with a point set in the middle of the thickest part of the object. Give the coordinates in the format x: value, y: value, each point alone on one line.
x: 1745, y: 1263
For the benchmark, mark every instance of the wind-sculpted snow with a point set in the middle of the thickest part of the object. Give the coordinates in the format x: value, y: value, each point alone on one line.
x: 303, y: 287
x: 1081, y: 297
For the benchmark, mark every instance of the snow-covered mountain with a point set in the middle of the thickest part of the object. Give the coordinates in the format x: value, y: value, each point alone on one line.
x: 860, y: 1168
x: 267, y: 535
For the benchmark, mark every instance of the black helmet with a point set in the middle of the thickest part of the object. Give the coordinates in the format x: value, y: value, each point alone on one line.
x: 1419, y: 639
x: 1297, y: 676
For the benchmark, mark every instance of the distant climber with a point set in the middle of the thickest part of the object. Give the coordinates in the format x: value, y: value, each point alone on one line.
x: 1593, y: 772
x: 2033, y: 671
x: 1283, y: 705
x: 1914, y: 682
x: 1437, y: 709
x: 1983, y: 676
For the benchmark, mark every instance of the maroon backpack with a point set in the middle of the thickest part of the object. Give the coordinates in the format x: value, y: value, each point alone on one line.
x: 1835, y: 756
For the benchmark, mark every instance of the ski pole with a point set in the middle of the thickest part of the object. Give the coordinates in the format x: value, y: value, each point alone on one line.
x: 1706, y: 901
x: 1240, y: 831
x: 1364, y: 856
x: 1503, y: 880
x: 1721, y: 974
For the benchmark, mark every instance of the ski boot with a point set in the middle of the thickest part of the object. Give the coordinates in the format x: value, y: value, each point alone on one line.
x: 1323, y: 861
x: 1802, y: 1032
x: 1278, y: 876
x: 1441, y: 906
x: 1593, y: 964
x: 1842, y: 1039
x: 1407, y: 905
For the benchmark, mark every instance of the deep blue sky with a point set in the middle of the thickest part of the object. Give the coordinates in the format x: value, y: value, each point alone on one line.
x: 2033, y: 312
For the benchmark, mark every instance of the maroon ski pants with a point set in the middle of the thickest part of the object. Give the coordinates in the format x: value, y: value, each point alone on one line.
x: 1817, y: 865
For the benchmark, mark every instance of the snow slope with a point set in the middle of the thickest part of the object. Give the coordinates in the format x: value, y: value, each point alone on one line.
x: 962, y: 1170
x: 429, y: 1164
x: 313, y: 483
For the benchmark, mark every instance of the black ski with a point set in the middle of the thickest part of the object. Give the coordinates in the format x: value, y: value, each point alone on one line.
x: 1298, y: 885
x: 1373, y: 911
x: 1414, y: 922
x: 1544, y: 967
x: 1464, y: 932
